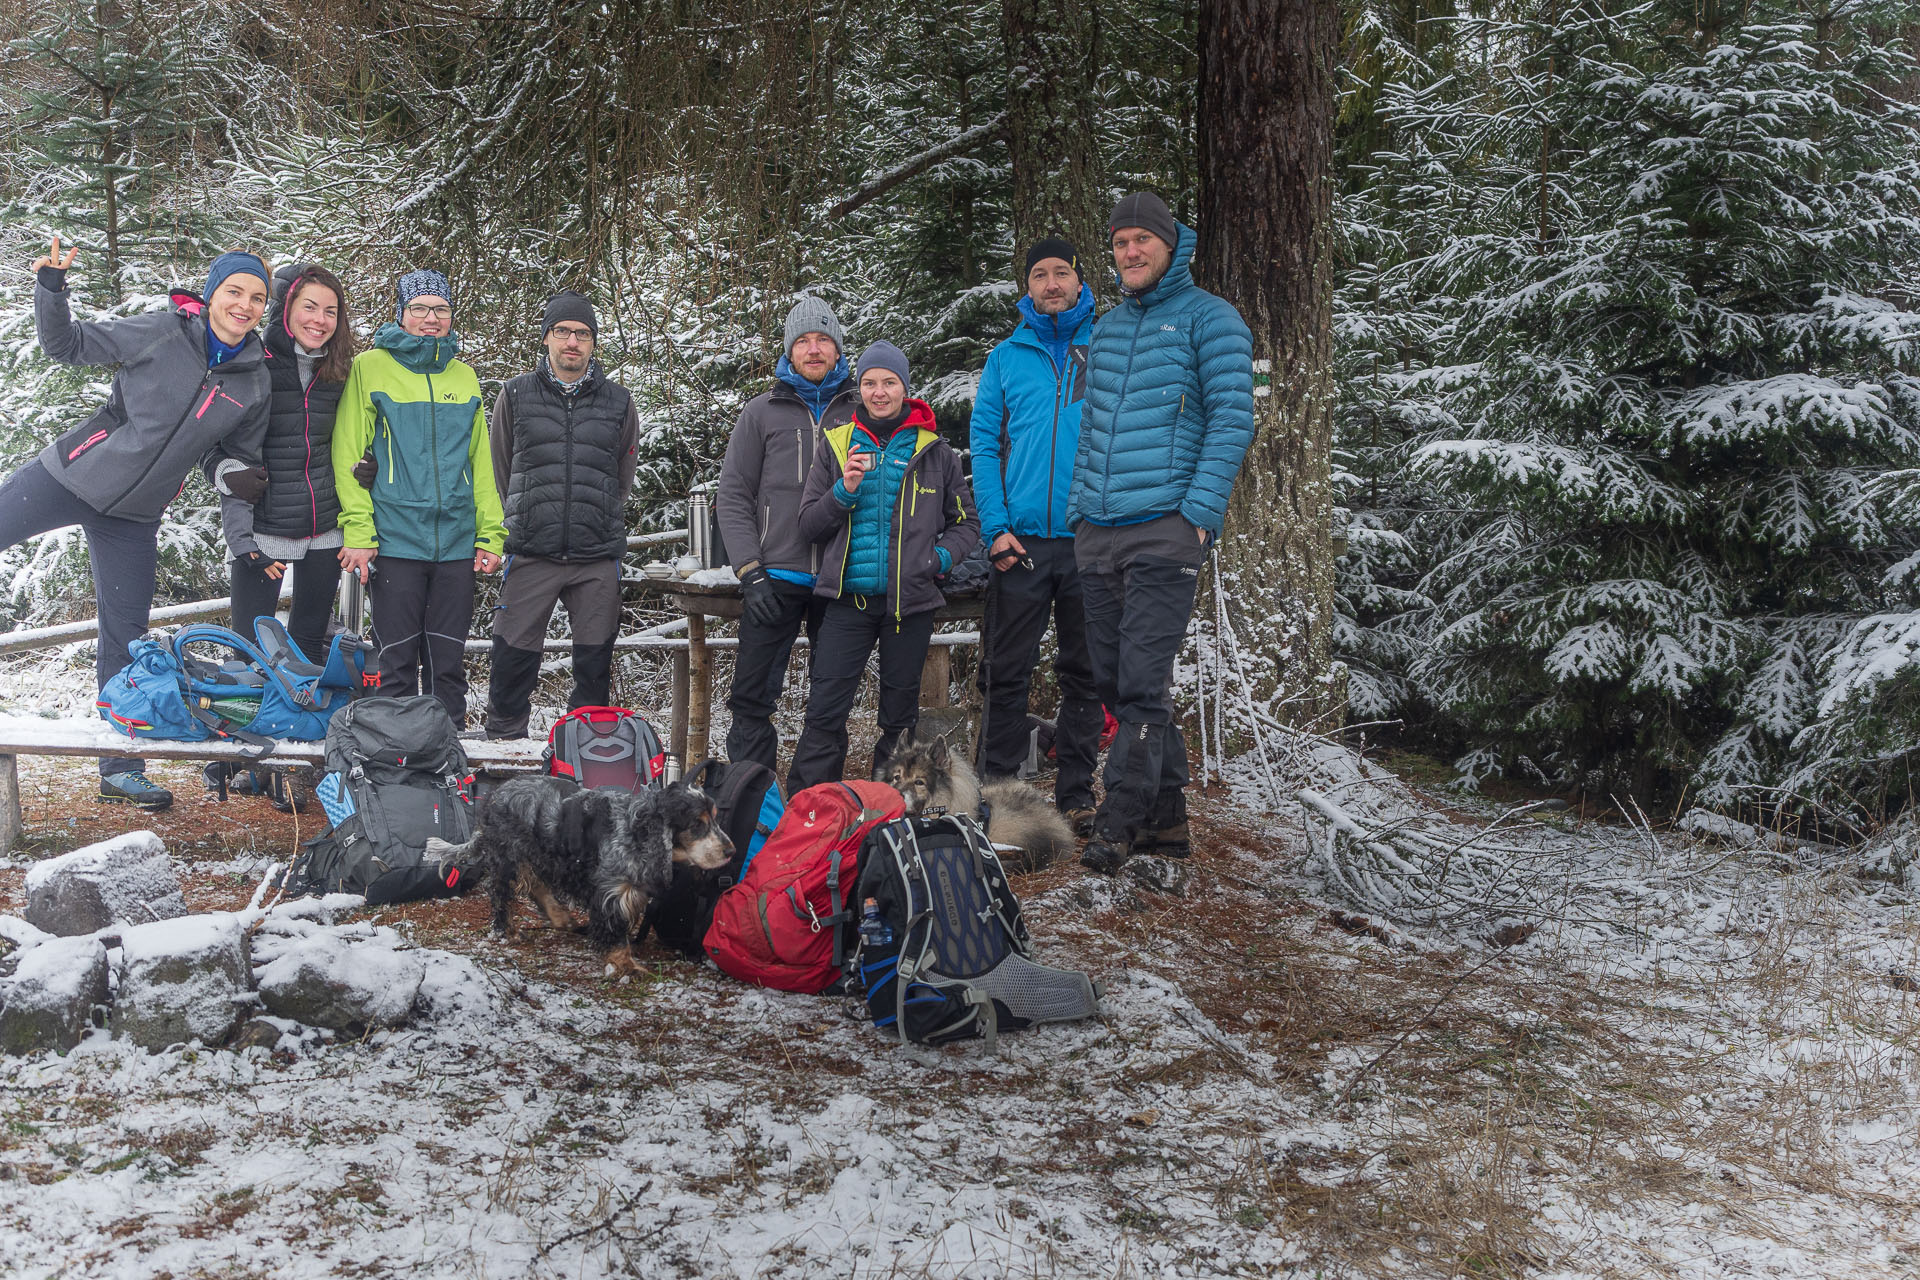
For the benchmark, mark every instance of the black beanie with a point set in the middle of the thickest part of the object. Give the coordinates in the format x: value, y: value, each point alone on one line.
x: 1054, y: 247
x: 568, y: 305
x: 1148, y: 211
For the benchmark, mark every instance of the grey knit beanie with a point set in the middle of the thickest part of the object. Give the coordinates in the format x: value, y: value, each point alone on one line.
x: 884, y: 355
x: 813, y: 315
x: 1146, y: 210
x: 568, y: 305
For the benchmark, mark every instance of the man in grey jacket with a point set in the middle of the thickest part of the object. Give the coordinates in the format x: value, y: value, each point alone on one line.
x: 189, y: 378
x: 758, y: 505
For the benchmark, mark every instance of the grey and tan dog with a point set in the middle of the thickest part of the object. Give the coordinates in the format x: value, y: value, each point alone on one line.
x: 929, y: 776
x: 609, y: 852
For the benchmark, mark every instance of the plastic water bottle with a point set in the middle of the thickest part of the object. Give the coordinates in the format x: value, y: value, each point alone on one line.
x: 875, y: 932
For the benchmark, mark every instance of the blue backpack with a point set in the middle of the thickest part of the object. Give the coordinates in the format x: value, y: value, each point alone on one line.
x: 172, y: 691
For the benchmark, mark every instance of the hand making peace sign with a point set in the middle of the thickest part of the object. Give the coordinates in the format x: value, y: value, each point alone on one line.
x: 54, y: 258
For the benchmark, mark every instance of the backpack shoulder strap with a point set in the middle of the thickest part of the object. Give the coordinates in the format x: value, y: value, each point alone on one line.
x: 209, y: 633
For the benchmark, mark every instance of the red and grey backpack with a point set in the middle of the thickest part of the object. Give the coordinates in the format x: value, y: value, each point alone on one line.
x: 606, y: 747
x: 784, y: 925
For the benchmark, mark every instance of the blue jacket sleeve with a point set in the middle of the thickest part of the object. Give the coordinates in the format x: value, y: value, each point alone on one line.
x: 1224, y: 360
x: 984, y: 441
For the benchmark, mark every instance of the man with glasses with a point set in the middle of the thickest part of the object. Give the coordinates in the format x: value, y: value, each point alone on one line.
x: 428, y: 517
x: 563, y: 450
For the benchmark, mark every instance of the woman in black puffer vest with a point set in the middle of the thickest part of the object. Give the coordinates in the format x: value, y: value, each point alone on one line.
x: 295, y: 525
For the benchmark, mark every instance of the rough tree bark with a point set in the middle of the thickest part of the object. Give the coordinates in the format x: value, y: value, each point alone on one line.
x: 1266, y: 151
x: 1053, y: 63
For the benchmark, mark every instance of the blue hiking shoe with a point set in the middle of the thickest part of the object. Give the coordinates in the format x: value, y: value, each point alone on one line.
x: 134, y: 788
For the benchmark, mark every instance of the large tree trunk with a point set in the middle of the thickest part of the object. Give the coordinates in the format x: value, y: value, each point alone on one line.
x: 1266, y: 150
x: 1058, y: 181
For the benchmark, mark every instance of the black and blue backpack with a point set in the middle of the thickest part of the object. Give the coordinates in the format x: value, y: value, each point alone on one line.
x: 944, y: 954
x: 396, y: 778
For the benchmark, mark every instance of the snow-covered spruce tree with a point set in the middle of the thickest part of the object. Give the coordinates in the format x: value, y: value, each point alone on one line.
x: 110, y: 110
x: 1674, y: 382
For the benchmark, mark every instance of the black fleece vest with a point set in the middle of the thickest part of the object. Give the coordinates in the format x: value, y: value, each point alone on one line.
x: 563, y: 492
x: 299, y: 502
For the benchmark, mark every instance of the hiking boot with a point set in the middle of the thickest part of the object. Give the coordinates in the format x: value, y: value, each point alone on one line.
x: 134, y: 788
x: 1167, y: 842
x: 218, y: 775
x: 285, y: 793
x: 1081, y: 820
x: 1103, y: 855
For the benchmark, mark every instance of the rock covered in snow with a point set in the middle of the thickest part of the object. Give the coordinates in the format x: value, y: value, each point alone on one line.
x: 347, y: 978
x: 183, y: 980
x: 49, y: 1000
x: 1160, y: 875
x: 126, y: 878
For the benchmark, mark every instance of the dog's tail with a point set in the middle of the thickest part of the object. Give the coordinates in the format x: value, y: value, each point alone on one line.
x: 442, y: 851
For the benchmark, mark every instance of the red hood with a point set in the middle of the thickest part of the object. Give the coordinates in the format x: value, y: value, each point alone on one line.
x: 919, y: 417
x: 186, y: 302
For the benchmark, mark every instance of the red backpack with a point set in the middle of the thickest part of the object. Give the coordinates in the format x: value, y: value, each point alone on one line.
x: 606, y: 747
x: 781, y: 925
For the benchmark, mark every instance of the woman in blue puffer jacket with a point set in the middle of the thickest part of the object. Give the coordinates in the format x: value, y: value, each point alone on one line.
x: 889, y: 499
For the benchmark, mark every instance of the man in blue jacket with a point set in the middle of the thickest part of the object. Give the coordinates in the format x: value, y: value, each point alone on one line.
x: 1025, y: 432
x: 1168, y: 419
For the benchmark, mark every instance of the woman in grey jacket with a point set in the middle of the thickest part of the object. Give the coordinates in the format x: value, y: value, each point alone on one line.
x: 189, y: 378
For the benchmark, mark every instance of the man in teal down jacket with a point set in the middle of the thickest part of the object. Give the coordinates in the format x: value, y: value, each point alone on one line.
x: 1168, y: 419
x: 1025, y: 434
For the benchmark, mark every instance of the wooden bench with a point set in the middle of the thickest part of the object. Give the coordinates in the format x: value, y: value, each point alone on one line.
x: 34, y: 736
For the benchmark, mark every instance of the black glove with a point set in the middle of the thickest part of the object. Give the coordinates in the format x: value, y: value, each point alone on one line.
x: 366, y: 469
x: 754, y: 576
x: 52, y: 279
x: 249, y: 485
x: 763, y: 607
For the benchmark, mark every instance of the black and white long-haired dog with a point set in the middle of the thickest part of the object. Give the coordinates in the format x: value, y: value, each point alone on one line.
x: 608, y: 852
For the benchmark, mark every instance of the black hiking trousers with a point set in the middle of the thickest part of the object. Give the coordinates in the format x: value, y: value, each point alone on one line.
x: 848, y: 633
x: 123, y: 554
x: 422, y: 612
x: 760, y: 664
x: 316, y: 580
x: 1018, y: 604
x: 1140, y: 582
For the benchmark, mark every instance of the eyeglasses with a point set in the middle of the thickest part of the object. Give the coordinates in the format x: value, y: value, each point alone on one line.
x: 570, y: 334
x: 420, y: 311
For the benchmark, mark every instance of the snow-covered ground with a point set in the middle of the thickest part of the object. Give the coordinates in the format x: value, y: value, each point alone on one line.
x: 1718, y: 1080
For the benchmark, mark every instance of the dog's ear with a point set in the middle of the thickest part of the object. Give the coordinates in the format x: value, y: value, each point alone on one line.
x: 937, y: 753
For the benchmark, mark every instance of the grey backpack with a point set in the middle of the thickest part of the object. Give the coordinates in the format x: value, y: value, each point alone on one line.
x: 396, y: 778
x: 942, y: 952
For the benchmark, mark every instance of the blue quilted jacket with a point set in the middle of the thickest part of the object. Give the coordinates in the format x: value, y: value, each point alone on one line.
x: 1169, y: 411
x: 1026, y: 424
x: 866, y: 563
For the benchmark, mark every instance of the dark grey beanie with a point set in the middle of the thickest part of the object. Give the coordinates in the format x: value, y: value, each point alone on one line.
x: 813, y: 315
x: 568, y: 305
x: 884, y: 355
x: 1145, y: 209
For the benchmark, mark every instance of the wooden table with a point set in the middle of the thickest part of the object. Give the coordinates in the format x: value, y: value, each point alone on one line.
x: 35, y: 736
x: 688, y: 738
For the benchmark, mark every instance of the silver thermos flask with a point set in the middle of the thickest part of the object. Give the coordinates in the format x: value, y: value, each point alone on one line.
x: 700, y: 527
